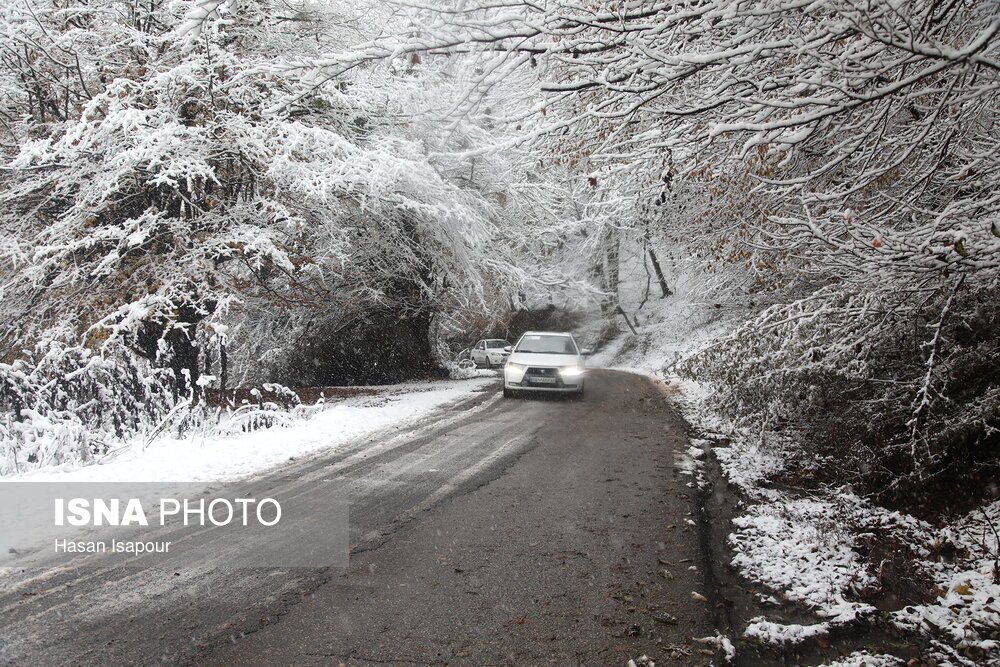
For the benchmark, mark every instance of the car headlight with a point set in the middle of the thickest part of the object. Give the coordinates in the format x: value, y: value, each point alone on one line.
x: 511, y: 366
x: 571, y: 371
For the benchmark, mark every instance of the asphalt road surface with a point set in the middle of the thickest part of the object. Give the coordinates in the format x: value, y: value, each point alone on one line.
x: 501, y: 532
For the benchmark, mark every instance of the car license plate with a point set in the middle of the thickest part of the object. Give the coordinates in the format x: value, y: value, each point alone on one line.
x: 543, y: 380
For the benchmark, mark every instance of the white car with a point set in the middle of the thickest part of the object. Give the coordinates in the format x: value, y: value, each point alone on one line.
x: 490, y: 352
x: 545, y: 361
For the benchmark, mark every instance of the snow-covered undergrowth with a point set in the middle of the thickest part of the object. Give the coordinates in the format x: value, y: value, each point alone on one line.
x: 797, y: 546
x: 866, y: 659
x: 826, y: 550
x: 65, y: 404
x: 964, y: 621
x: 228, y: 450
x: 811, y: 550
x: 72, y: 413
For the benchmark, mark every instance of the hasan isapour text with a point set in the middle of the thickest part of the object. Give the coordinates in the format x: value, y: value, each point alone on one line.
x: 110, y: 546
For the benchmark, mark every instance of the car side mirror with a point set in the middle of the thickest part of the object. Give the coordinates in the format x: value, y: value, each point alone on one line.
x: 585, y: 351
x: 508, y: 349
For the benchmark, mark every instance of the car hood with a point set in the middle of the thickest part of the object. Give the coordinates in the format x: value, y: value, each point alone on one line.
x: 543, y: 359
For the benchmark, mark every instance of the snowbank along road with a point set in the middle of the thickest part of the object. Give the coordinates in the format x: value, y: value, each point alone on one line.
x: 523, y: 531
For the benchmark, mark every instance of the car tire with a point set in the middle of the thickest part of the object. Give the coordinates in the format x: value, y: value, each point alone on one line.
x: 489, y: 364
x: 508, y: 393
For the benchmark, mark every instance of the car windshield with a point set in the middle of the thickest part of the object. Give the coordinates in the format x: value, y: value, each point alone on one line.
x: 494, y: 344
x: 542, y: 344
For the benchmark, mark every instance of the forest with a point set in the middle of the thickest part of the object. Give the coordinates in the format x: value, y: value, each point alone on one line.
x: 216, y: 194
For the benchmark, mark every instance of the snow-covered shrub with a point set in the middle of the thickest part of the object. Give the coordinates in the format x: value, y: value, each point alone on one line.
x: 258, y: 417
x: 65, y: 403
x: 893, y: 390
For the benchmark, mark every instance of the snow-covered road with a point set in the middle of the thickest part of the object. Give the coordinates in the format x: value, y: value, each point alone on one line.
x: 609, y: 503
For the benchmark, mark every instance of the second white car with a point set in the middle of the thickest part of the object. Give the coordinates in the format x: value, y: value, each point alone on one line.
x: 490, y: 352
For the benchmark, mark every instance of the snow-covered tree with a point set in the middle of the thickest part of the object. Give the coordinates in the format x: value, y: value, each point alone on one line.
x: 838, y: 157
x: 173, y: 191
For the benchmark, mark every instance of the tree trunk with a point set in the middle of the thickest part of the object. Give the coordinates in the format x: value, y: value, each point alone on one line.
x: 659, y: 274
x: 223, y: 365
x: 184, y: 353
x: 614, y: 263
x: 608, y: 269
x: 618, y: 309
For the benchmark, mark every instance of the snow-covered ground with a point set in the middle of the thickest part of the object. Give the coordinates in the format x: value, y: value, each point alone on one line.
x: 804, y: 547
x: 225, y: 452
x: 963, y: 624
